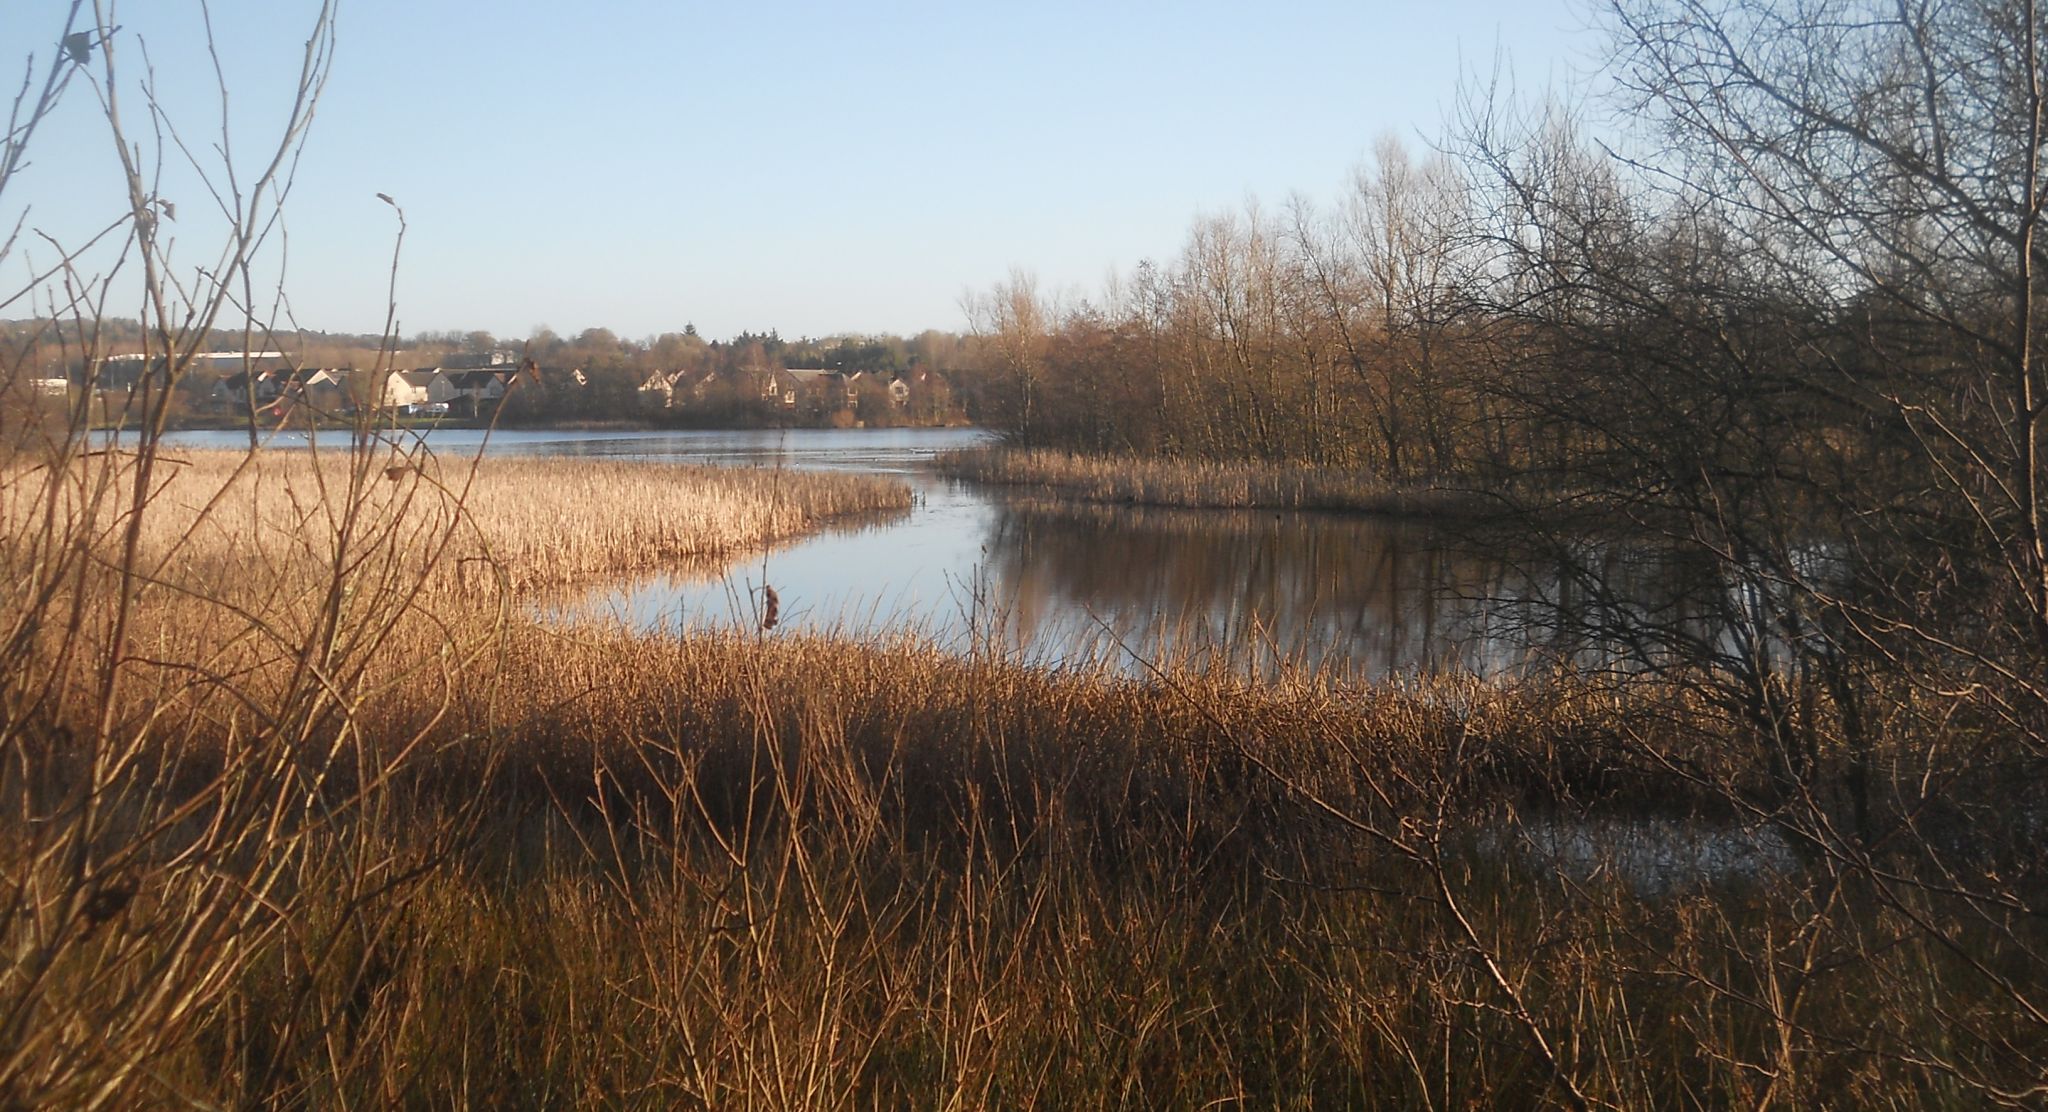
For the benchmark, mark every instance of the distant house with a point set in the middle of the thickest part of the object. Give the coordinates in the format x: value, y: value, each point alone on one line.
x: 813, y: 380
x: 406, y: 389
x: 830, y: 389
x: 850, y: 383
x: 659, y: 390
x: 234, y: 389
x: 703, y: 388
x: 771, y: 385
x: 695, y: 386
x: 323, y: 388
x: 318, y: 386
x: 441, y: 387
x: 469, y: 392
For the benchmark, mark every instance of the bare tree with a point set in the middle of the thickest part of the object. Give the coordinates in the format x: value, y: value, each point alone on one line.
x: 1016, y: 322
x: 182, y: 744
x: 1786, y: 339
x: 1405, y: 221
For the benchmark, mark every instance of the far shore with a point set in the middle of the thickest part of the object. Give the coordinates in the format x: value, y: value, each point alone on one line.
x: 1106, y: 479
x: 1207, y: 484
x: 216, y: 423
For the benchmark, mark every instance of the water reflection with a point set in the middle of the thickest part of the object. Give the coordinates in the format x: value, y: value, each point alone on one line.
x: 977, y: 570
x: 1248, y: 590
x: 1124, y: 586
x: 1653, y: 856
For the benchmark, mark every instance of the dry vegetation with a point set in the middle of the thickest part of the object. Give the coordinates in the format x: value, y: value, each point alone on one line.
x: 793, y: 873
x: 535, y: 522
x: 299, y: 807
x: 358, y: 833
x: 1205, y: 483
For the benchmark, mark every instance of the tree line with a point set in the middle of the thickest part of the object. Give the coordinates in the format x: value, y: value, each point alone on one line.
x: 1323, y: 334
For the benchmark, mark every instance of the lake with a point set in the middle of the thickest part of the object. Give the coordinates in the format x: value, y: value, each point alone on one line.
x: 992, y: 570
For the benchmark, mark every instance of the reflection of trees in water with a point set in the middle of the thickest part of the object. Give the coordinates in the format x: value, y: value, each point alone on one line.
x: 1601, y: 602
x: 1372, y: 596
x: 1369, y: 596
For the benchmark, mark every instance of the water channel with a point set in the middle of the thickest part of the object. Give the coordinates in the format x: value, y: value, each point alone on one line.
x: 1052, y: 582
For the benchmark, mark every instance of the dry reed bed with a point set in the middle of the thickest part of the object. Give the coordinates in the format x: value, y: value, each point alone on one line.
x: 573, y: 712
x: 828, y: 975
x: 550, y: 521
x: 548, y: 705
x: 790, y: 872
x: 921, y: 732
x: 535, y: 521
x: 1203, y: 484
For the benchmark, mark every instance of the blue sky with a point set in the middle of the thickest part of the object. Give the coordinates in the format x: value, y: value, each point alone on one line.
x: 813, y: 168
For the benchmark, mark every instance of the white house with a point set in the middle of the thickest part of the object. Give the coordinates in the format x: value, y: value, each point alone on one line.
x: 406, y: 388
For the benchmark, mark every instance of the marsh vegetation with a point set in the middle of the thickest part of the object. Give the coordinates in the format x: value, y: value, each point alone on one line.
x: 304, y: 804
x: 1207, y: 483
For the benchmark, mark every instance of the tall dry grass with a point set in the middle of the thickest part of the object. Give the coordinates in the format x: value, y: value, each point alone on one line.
x: 1201, y: 483
x: 197, y: 649
x: 535, y: 522
x: 790, y: 872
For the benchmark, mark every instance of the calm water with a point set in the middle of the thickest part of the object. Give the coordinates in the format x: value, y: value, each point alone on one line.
x: 980, y: 569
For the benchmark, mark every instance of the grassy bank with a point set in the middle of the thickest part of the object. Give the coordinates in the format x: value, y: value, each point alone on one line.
x: 1204, y: 484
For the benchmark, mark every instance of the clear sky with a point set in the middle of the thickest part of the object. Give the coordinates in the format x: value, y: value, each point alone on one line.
x: 814, y: 168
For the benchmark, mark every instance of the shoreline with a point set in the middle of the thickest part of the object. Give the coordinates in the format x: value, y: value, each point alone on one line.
x: 1201, y: 484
